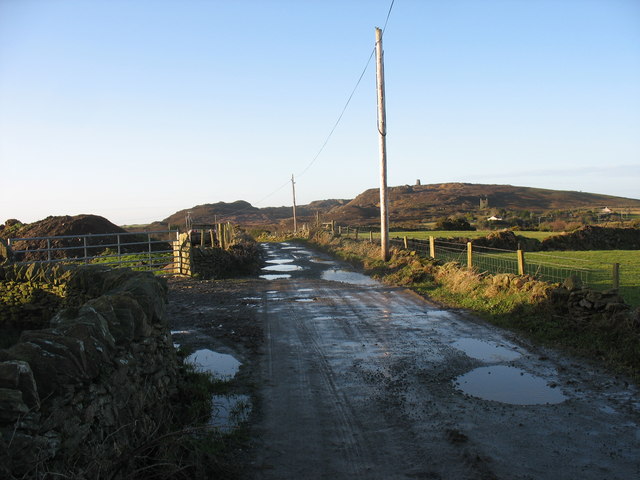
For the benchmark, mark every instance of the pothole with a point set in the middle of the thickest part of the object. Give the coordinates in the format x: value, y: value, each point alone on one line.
x: 505, y: 384
x: 282, y: 267
x: 344, y: 276
x: 221, y: 365
x: 229, y: 411
x: 485, y: 351
x: 275, y: 276
x: 280, y: 260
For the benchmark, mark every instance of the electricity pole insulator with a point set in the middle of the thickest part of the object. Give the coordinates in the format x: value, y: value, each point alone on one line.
x: 382, y: 141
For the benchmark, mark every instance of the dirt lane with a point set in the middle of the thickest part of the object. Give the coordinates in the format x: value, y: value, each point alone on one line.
x: 358, y: 381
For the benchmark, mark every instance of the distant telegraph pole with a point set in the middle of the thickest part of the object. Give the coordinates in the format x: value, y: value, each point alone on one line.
x: 295, y: 223
x: 382, y: 130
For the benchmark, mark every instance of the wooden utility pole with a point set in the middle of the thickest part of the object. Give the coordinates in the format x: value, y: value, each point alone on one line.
x: 382, y: 130
x: 295, y: 222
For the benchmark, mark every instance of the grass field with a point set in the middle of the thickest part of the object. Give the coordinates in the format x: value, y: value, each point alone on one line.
x: 425, y: 234
x: 602, y: 261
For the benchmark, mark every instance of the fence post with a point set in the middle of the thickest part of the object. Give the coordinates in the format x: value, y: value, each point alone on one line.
x: 213, y: 237
x: 469, y: 255
x: 356, y: 233
x: 406, y: 245
x: 616, y: 276
x: 86, y: 255
x: 432, y: 247
x: 221, y: 235
x: 370, y: 236
x: 202, y: 237
x: 339, y: 230
x: 149, y: 243
x: 119, y: 248
x: 48, y: 249
x: 521, y: 265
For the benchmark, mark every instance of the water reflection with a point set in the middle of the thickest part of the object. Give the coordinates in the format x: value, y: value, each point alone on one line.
x: 511, y: 385
x: 485, y: 351
x: 220, y: 365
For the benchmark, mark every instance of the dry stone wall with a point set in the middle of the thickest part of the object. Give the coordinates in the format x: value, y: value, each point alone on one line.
x: 76, y: 397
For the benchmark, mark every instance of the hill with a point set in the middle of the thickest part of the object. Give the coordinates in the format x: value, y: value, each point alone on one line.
x: 409, y: 204
x: 419, y: 203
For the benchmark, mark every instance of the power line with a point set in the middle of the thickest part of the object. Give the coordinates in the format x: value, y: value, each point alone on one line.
x: 353, y: 91
x: 335, y: 125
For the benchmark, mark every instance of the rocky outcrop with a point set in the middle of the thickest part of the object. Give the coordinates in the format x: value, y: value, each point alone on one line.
x: 76, y: 396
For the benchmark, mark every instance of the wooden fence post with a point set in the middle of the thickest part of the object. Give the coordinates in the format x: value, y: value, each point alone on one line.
x: 432, y: 247
x: 616, y: 276
x: 521, y: 264
x: 469, y: 255
x: 357, y: 233
x: 406, y: 243
x: 370, y: 236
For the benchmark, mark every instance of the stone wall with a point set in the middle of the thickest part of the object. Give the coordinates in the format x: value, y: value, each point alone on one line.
x: 240, y: 256
x: 77, y: 397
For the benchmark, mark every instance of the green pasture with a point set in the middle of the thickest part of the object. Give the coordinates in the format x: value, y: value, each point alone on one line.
x: 601, y: 262
x: 425, y: 234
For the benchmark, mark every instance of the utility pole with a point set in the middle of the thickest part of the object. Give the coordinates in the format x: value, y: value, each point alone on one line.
x: 295, y: 223
x: 382, y: 141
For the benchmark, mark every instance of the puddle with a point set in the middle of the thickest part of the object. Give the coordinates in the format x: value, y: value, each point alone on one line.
x: 305, y: 290
x: 229, y: 411
x: 485, y: 351
x: 220, y: 365
x: 180, y: 332
x: 508, y: 385
x: 275, y: 276
x: 252, y: 299
x: 345, y: 276
x: 321, y: 260
x: 281, y: 260
x: 305, y: 300
x: 282, y: 268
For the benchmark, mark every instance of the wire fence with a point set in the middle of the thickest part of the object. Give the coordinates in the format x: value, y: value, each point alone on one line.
x: 150, y: 251
x: 546, y: 266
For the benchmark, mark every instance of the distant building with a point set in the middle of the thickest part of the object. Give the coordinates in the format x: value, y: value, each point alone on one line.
x: 418, y: 182
x: 493, y: 218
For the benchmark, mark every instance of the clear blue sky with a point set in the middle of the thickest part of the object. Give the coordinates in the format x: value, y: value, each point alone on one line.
x: 136, y: 109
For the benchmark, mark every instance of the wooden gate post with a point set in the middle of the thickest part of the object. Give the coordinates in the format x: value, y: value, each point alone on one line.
x: 406, y: 243
x: 469, y: 255
x: 432, y: 247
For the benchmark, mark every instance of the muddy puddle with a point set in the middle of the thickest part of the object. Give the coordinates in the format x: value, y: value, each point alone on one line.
x: 229, y: 411
x: 486, y: 351
x: 511, y: 385
x: 281, y: 267
x: 344, y: 276
x: 221, y: 365
x: 275, y: 276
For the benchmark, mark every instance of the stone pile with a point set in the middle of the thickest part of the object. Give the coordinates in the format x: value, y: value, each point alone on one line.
x: 77, y: 396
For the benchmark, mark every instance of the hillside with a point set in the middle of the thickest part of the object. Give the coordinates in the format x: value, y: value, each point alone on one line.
x: 426, y: 202
x: 244, y: 213
x: 408, y: 204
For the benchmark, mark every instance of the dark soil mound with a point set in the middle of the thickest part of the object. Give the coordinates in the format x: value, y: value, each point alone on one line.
x: 68, y: 226
x: 508, y: 241
x: 595, y: 238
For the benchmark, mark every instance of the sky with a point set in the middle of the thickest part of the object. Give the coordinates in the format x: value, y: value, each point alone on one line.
x: 134, y: 110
